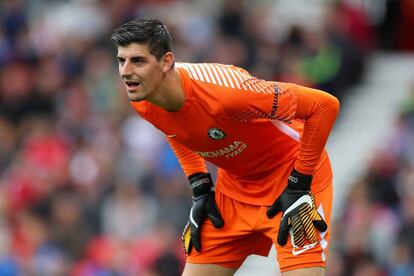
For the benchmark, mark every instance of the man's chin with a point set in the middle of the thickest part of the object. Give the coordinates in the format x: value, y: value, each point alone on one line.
x: 135, y: 100
x: 133, y: 97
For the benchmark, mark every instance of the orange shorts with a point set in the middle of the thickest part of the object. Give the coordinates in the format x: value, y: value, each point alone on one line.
x: 247, y: 230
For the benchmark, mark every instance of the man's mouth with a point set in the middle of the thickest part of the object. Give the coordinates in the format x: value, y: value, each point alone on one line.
x: 132, y: 85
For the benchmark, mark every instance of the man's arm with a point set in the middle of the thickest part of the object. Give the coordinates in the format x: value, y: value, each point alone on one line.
x: 300, y: 217
x: 190, y: 162
x: 319, y: 111
x: 203, y: 200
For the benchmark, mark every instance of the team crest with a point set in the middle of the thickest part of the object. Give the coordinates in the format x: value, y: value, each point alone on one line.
x: 216, y: 134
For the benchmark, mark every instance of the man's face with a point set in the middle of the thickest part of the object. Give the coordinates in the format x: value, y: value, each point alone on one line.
x: 140, y: 71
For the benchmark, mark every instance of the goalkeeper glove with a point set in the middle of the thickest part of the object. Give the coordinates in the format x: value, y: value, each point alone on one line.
x: 204, y: 205
x: 300, y: 217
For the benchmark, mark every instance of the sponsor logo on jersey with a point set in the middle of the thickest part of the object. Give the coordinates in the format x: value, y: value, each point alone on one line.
x: 228, y: 152
x: 216, y: 134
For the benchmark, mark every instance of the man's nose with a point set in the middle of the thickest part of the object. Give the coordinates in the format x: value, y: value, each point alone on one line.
x: 125, y: 70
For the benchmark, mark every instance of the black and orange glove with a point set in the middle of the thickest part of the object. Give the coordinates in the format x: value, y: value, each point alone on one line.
x: 204, y: 205
x: 300, y: 217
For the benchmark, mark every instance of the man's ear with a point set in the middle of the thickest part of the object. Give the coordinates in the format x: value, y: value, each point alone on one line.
x: 167, y: 62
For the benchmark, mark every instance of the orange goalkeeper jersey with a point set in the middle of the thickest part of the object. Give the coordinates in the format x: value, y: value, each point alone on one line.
x: 254, y: 130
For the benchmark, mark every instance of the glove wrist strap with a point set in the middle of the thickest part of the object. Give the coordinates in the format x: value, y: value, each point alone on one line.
x: 200, y: 183
x: 298, y: 181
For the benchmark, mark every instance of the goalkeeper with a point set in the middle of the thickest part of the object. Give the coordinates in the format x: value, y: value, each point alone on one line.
x: 274, y: 180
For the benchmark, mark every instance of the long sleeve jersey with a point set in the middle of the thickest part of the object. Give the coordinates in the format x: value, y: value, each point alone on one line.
x: 254, y: 131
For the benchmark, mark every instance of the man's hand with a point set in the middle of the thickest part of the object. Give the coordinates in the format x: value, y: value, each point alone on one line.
x: 204, y: 205
x: 300, y: 217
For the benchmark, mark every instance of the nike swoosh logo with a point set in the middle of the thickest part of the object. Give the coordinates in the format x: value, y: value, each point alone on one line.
x: 171, y: 135
x: 305, y: 248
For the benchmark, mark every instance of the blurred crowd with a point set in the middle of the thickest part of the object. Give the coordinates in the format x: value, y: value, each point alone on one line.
x: 375, y: 234
x: 88, y: 188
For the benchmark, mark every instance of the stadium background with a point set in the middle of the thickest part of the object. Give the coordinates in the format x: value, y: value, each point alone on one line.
x: 88, y: 188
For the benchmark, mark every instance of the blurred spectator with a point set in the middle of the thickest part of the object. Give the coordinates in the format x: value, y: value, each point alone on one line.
x: 127, y: 213
x: 380, y: 208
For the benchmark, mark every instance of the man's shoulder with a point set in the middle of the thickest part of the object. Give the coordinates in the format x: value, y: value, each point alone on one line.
x: 189, y: 66
x: 215, y: 74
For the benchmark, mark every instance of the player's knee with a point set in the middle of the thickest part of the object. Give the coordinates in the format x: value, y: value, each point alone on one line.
x: 310, y: 271
x: 206, y: 270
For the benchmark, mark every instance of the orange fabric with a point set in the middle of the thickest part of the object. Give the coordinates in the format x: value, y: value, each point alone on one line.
x: 249, y: 128
x: 247, y: 230
x: 319, y: 110
x: 189, y: 161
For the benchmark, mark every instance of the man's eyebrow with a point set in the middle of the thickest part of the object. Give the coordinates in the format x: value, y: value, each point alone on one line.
x: 133, y: 58
x: 137, y: 58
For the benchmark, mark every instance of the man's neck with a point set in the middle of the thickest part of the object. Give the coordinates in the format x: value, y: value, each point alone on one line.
x: 170, y: 94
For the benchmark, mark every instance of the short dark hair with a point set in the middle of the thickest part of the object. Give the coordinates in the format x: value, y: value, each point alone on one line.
x: 144, y: 30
